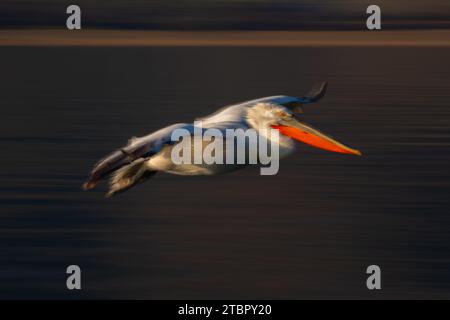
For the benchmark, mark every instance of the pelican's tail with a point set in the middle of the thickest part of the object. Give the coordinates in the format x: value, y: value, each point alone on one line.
x: 128, y: 176
x: 106, y: 166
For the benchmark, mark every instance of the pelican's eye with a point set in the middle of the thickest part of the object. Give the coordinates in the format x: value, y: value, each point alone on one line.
x: 282, y: 114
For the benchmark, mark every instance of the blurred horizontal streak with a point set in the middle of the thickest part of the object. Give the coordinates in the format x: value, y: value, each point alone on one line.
x: 438, y: 38
x: 226, y: 14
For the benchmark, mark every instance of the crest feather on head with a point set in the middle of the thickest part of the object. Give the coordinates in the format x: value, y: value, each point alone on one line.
x: 264, y: 114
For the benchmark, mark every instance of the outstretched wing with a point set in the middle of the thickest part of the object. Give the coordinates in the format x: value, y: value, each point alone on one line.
x: 315, y: 93
x: 238, y: 111
x: 137, y: 148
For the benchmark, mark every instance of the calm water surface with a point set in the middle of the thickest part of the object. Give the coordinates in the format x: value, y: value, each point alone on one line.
x: 308, y: 232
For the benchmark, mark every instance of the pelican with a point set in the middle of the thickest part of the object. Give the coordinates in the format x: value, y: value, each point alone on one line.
x: 142, y: 157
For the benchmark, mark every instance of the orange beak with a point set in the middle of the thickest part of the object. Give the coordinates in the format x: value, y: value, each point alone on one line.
x: 307, y: 134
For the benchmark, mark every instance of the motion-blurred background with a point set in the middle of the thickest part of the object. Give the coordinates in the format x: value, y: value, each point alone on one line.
x: 227, y: 14
x: 308, y: 232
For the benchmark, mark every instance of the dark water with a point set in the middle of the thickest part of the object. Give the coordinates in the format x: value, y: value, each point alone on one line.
x: 308, y: 232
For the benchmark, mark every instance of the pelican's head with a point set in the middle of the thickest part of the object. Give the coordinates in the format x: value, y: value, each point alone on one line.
x: 270, y: 115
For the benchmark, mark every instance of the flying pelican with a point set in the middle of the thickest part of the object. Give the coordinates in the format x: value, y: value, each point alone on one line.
x: 142, y: 157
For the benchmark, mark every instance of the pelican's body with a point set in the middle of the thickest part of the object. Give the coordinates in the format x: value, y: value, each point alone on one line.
x: 142, y: 157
